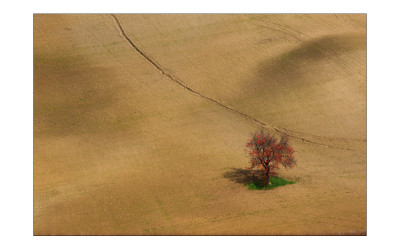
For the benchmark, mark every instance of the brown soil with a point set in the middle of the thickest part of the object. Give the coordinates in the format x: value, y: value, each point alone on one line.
x: 141, y: 121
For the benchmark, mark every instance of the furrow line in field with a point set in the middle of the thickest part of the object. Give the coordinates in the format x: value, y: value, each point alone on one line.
x: 182, y: 84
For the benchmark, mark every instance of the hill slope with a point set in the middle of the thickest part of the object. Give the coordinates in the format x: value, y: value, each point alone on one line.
x: 122, y: 148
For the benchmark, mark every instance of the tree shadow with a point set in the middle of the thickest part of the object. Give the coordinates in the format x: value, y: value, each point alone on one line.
x: 244, y: 176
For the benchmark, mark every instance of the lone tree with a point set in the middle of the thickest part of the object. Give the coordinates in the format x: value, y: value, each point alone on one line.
x: 267, y: 153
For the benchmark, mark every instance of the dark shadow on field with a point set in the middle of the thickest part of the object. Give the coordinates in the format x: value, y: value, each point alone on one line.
x: 294, y: 66
x: 244, y: 176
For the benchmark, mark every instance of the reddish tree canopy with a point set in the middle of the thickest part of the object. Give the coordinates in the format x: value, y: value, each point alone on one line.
x: 266, y: 152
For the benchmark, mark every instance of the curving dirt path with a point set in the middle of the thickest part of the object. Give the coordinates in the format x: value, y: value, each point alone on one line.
x: 182, y: 84
x: 121, y: 150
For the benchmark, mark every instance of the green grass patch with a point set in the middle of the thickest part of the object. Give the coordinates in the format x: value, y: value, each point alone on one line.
x: 275, y: 182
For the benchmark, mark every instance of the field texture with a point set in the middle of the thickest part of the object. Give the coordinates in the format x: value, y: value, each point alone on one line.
x: 141, y: 122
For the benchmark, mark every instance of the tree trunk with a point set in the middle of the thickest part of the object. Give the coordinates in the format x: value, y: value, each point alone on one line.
x: 268, y: 183
x: 267, y: 175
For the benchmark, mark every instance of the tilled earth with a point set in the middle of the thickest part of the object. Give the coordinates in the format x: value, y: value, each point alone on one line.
x: 141, y: 121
